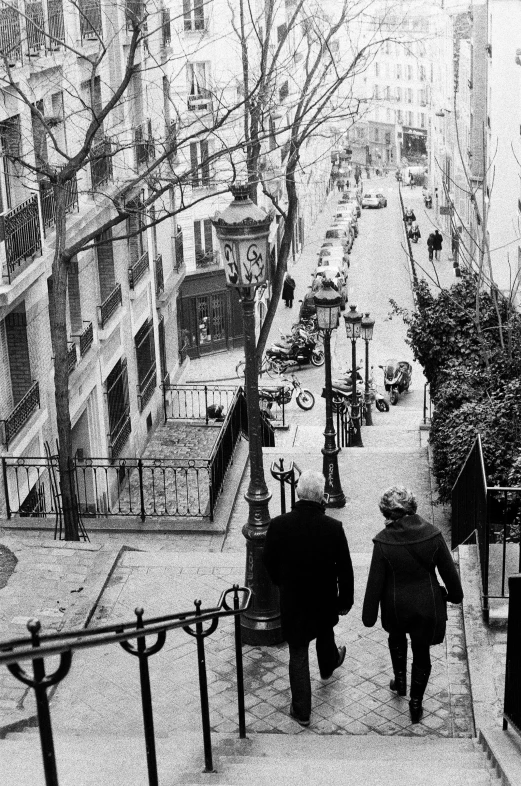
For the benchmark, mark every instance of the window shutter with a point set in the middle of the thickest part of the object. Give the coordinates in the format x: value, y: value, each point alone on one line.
x: 205, y: 169
x: 199, y: 14
x: 208, y: 238
x: 198, y: 241
x: 194, y: 164
x: 187, y: 15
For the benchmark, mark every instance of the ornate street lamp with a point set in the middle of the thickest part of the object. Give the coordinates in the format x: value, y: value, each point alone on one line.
x: 242, y: 230
x: 353, y: 322
x: 327, y: 302
x: 366, y: 331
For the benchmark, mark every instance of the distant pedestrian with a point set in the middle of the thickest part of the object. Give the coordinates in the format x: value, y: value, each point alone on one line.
x: 340, y: 185
x: 430, y: 245
x: 307, y: 557
x: 402, y: 582
x: 437, y: 243
x: 288, y: 290
x: 368, y: 173
x: 411, y: 179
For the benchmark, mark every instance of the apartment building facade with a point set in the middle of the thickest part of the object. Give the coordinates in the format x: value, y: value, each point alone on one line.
x: 121, y: 311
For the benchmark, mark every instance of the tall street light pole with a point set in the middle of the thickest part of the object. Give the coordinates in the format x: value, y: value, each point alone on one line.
x: 242, y: 230
x: 327, y: 302
x: 353, y: 322
x: 366, y: 331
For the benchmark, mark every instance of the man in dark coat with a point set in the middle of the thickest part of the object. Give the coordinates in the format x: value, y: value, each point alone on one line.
x: 437, y: 242
x: 288, y: 290
x: 430, y: 242
x: 307, y: 557
x: 402, y: 581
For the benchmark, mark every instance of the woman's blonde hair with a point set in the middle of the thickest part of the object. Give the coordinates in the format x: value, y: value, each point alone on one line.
x: 397, y: 501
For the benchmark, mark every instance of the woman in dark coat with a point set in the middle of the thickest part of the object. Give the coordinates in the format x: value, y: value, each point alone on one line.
x: 288, y: 290
x: 402, y: 581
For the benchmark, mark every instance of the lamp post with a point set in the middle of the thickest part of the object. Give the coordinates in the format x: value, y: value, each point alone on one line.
x: 366, y: 331
x: 327, y: 302
x: 242, y: 230
x: 353, y: 322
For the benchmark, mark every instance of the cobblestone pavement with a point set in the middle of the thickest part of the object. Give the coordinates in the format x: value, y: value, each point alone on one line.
x: 101, y: 695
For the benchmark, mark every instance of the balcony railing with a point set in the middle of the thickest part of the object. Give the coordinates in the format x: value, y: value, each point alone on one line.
x: 90, y: 19
x: 144, y: 143
x: 202, y: 102
x: 34, y: 24
x: 55, y: 20
x: 145, y: 389
x: 21, y: 231
x: 137, y: 270
x: 100, y: 163
x: 160, y: 281
x: 119, y: 434
x: 21, y: 413
x: 10, y: 35
x: 109, y: 306
x: 48, y: 202
x: 72, y: 357
x: 86, y: 339
x: 205, y: 259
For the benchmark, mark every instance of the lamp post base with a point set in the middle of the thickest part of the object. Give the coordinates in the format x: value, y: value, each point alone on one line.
x: 333, y: 487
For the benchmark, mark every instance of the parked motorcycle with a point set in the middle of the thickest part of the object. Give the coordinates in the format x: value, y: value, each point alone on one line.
x: 427, y: 199
x: 397, y: 378
x: 342, y: 391
x: 300, y: 352
x: 414, y: 233
x: 283, y: 395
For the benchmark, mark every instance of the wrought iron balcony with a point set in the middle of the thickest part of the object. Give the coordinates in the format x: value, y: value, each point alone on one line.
x: 22, y: 234
x: 160, y: 281
x: 86, y: 339
x: 21, y: 413
x: 48, y: 202
x: 90, y: 19
x: 34, y: 25
x: 10, y: 35
x: 109, y: 306
x: 144, y: 143
x: 101, y: 163
x: 138, y: 270
x: 202, y: 102
x: 72, y: 357
x: 119, y: 434
x: 146, y: 388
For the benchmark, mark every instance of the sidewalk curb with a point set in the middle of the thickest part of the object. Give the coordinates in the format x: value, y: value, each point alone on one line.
x: 77, y: 616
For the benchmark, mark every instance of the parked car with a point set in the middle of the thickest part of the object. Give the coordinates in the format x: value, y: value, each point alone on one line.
x: 347, y: 221
x: 334, y: 256
x: 338, y: 233
x: 307, y: 306
x: 351, y: 200
x: 335, y: 274
x: 374, y: 200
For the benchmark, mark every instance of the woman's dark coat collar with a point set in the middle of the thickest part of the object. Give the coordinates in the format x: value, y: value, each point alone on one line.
x: 307, y: 504
x: 408, y: 529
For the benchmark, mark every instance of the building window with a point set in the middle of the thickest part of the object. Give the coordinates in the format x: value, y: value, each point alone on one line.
x: 11, y: 150
x: 197, y: 79
x: 398, y: 93
x: 409, y: 95
x: 282, y: 32
x: 388, y: 93
x: 388, y: 115
x: 411, y: 118
x: 200, y: 164
x: 422, y: 73
x: 105, y: 262
x: 409, y: 72
x: 193, y: 13
x: 398, y: 70
x: 422, y: 119
x: 377, y: 70
x: 118, y: 407
x: 203, y: 239
x: 376, y: 135
x: 399, y: 117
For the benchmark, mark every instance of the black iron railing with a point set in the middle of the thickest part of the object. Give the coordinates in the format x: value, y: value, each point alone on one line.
x: 489, y: 516
x: 224, y: 449
x: 101, y: 163
x: 512, y: 700
x: 144, y: 143
x: 286, y: 475
x: 138, y: 270
x: 10, y: 34
x: 160, y: 281
x: 86, y: 339
x: 109, y: 306
x: 132, y: 636
x: 34, y: 27
x: 273, y: 405
x: 21, y: 413
x: 119, y: 434
x: 197, y: 402
x: 146, y: 388
x: 90, y: 19
x: 202, y: 102
x: 22, y: 234
x: 48, y: 201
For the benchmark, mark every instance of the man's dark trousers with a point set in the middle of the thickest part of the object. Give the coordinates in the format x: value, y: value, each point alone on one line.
x: 299, y: 677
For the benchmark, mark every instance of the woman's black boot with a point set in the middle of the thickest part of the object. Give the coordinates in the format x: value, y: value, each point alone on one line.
x: 399, y: 661
x: 419, y: 680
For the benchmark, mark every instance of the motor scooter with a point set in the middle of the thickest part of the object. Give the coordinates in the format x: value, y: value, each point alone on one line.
x: 427, y: 199
x: 342, y: 391
x: 397, y: 378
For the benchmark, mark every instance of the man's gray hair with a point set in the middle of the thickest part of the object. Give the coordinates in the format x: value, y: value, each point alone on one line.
x: 311, y: 486
x: 397, y: 501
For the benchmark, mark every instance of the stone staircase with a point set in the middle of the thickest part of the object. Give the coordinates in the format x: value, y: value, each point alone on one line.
x: 260, y: 760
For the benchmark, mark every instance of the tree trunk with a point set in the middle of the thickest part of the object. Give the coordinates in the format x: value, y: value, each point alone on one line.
x: 58, y: 320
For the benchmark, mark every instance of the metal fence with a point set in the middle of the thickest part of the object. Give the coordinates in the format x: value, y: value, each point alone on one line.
x: 134, y: 637
x: 286, y: 475
x: 223, y: 451
x: 197, y: 402
x: 490, y: 515
x: 512, y: 701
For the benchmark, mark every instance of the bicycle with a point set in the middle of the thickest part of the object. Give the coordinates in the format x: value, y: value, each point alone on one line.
x: 272, y: 368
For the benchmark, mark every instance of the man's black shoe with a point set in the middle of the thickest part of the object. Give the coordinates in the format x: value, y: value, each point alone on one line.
x: 301, y: 721
x: 341, y: 659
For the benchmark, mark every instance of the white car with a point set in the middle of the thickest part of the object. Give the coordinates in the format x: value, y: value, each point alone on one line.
x: 333, y: 256
x: 374, y: 200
